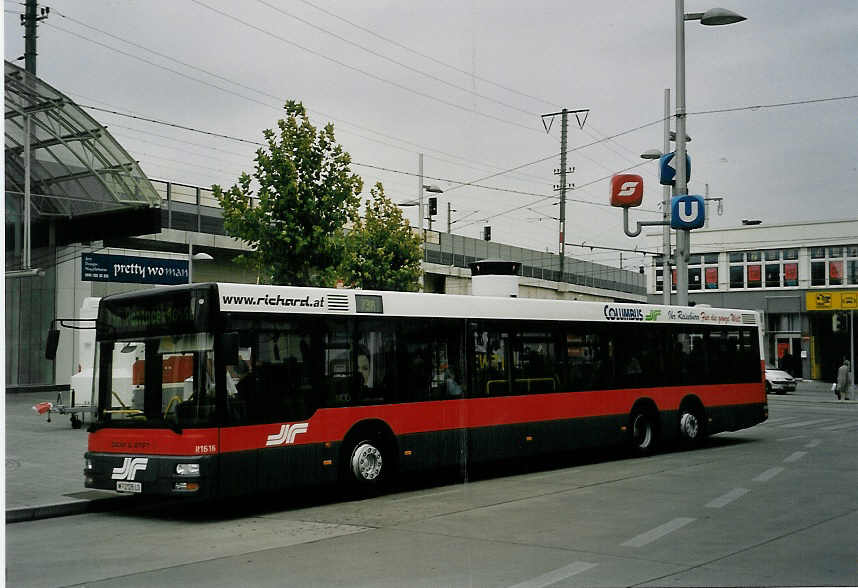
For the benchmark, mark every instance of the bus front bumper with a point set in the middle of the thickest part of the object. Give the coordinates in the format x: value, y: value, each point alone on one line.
x: 151, y: 474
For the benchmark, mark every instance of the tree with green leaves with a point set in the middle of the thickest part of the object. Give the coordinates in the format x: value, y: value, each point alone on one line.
x: 293, y: 209
x: 382, y: 252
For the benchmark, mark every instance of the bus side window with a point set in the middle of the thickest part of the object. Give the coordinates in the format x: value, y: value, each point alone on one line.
x: 747, y: 356
x: 490, y: 369
x: 271, y: 381
x: 373, y: 380
x: 338, y: 371
x: 533, y: 361
x: 429, y: 360
x: 586, y: 359
x: 240, y: 385
x: 448, y: 359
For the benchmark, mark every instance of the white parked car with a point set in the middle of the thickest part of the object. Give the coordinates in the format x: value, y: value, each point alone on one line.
x: 779, y: 381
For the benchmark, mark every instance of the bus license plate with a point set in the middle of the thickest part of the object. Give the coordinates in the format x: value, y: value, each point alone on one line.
x: 136, y: 487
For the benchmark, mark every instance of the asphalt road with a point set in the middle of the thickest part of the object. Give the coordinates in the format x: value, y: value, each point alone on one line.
x: 773, y: 505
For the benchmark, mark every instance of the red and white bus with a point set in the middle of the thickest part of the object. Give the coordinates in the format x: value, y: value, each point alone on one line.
x: 219, y: 389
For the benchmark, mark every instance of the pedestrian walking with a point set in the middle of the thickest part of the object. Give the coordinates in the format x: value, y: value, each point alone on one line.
x: 842, y: 390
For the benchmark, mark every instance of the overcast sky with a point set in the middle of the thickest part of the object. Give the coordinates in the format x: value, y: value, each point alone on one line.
x: 465, y: 83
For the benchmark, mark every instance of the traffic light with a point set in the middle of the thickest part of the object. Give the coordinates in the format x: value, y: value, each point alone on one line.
x: 487, y: 233
x: 838, y: 322
x: 433, y: 205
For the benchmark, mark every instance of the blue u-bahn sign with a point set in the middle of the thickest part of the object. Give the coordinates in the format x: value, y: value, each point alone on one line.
x: 687, y: 211
x: 99, y: 267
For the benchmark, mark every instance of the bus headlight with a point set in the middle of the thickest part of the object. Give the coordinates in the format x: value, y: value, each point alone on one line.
x: 188, y: 469
x: 87, y: 465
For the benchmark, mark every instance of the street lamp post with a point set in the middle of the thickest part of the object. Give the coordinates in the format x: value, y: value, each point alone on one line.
x: 666, y: 281
x: 666, y: 276
x: 433, y: 189
x: 201, y: 256
x: 712, y: 17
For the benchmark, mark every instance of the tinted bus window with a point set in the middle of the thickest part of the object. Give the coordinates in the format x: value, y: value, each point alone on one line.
x: 534, y: 362
x: 490, y: 374
x: 337, y: 364
x: 688, y: 356
x: 375, y: 363
x: 430, y: 360
x: 639, y: 356
x: 588, y: 358
x: 273, y: 379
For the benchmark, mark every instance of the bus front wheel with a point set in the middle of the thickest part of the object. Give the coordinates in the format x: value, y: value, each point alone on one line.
x: 367, y: 463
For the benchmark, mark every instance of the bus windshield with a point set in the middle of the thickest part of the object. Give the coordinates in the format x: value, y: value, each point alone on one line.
x: 156, y: 382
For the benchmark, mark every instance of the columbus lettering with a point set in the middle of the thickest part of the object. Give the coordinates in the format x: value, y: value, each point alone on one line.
x: 617, y: 313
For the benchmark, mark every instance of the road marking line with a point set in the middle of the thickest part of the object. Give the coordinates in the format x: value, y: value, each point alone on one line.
x: 814, y: 443
x: 776, y: 421
x: 555, y: 576
x: 727, y: 498
x: 552, y: 473
x: 839, y: 427
x: 768, y: 474
x: 430, y: 495
x: 795, y: 456
x: 658, y: 532
x: 793, y: 438
x: 805, y: 423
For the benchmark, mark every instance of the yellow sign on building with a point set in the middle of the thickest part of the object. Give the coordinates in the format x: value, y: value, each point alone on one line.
x: 832, y: 300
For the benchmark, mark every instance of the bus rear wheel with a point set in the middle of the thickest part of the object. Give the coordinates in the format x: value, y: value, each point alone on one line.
x: 691, y: 426
x: 644, y: 433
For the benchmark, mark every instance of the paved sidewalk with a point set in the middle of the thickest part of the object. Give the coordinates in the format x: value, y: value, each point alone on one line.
x: 44, y: 464
x: 812, y: 391
x: 44, y: 461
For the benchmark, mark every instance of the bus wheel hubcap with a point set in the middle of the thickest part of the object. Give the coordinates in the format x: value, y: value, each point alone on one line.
x: 366, y: 462
x: 689, y: 426
x: 642, y: 432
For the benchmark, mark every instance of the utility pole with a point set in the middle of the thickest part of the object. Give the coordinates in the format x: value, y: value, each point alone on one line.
x: 420, y: 219
x: 563, y: 133
x: 562, y: 173
x: 450, y: 212
x: 30, y: 20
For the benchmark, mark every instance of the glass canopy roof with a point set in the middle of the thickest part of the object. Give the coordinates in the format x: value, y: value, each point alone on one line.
x: 77, y: 167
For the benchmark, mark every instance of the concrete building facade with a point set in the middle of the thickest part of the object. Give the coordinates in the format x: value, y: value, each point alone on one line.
x: 803, y: 277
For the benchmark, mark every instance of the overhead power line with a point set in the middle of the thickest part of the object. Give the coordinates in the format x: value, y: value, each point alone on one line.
x: 169, y: 124
x: 394, y: 61
x: 459, y: 183
x: 774, y: 105
x: 280, y: 100
x: 362, y: 71
x: 544, y: 198
x: 425, y: 56
x: 605, y: 248
x: 578, y: 148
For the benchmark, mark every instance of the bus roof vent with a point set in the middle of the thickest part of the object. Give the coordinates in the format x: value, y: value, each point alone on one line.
x: 749, y: 319
x: 338, y: 302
